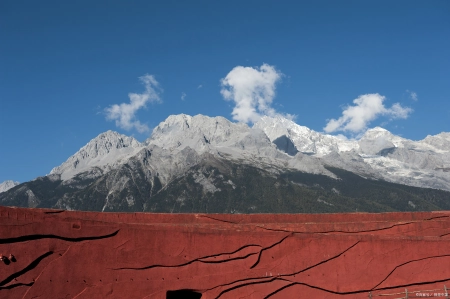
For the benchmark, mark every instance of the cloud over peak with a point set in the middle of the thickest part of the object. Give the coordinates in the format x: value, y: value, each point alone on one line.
x: 252, y: 90
x: 366, y: 108
x: 125, y: 114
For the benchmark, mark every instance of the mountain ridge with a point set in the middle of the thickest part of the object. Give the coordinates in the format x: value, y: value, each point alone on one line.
x: 203, y: 160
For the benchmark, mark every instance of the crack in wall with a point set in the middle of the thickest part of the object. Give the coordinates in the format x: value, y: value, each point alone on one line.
x: 264, y: 280
x: 30, y: 267
x: 268, y: 247
x: 200, y: 259
x: 15, y: 285
x: 54, y: 212
x: 356, y: 291
x: 408, y: 262
x: 279, y: 290
x: 437, y: 217
x: 352, y: 232
x: 51, y: 236
x: 221, y: 220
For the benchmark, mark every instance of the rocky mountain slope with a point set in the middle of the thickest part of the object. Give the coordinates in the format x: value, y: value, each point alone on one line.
x: 205, y: 164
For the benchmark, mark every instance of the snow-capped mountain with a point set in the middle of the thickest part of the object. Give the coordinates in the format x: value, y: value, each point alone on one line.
x: 378, y: 153
x: 105, y: 151
x: 6, y: 185
x: 223, y: 138
x: 305, y: 140
x: 210, y: 164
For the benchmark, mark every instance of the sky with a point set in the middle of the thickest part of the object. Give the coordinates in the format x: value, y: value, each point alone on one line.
x: 70, y: 70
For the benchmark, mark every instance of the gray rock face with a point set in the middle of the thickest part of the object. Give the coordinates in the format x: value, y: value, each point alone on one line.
x: 284, y: 144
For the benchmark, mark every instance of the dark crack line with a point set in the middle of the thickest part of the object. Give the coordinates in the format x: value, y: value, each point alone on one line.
x: 12, y: 286
x: 266, y: 280
x: 279, y: 290
x: 221, y: 220
x: 412, y: 261
x: 258, y: 279
x: 345, y: 232
x: 322, y: 262
x: 50, y: 236
x: 200, y: 259
x: 30, y: 267
x: 54, y: 212
x: 188, y: 263
x: 233, y: 252
x: 444, y: 235
x: 437, y: 217
x: 292, y: 283
x: 266, y: 248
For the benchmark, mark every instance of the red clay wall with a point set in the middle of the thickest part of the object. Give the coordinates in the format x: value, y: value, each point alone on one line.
x: 62, y: 254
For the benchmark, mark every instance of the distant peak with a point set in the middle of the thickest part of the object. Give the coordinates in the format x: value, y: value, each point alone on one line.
x: 112, y: 136
x: 108, y: 148
x: 6, y: 185
x: 186, y: 122
x: 376, y: 132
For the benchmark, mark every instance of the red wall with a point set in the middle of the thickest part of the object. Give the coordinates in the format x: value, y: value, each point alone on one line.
x: 62, y: 254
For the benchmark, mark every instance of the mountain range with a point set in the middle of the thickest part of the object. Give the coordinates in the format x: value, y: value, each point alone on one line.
x: 212, y: 165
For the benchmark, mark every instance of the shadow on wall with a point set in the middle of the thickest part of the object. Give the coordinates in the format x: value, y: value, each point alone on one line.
x: 183, y: 294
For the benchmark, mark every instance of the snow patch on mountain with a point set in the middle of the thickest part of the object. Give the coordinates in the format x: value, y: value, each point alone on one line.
x: 377, y: 154
x: 440, y: 141
x: 105, y: 151
x: 234, y: 141
x: 305, y: 140
x: 6, y: 185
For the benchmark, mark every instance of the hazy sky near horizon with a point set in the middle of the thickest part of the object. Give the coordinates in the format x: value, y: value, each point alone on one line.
x: 72, y: 70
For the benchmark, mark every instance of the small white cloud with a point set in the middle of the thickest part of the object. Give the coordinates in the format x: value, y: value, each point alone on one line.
x: 413, y: 95
x: 200, y: 86
x: 124, y: 114
x: 367, y: 108
x: 183, y: 96
x: 252, y: 90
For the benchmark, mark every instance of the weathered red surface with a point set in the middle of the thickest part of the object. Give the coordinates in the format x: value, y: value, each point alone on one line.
x: 61, y: 254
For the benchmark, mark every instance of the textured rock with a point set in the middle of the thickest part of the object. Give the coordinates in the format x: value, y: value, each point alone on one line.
x: 106, y: 151
x: 6, y: 185
x: 62, y: 254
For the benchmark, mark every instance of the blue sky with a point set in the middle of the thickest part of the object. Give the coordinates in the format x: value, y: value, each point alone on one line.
x: 64, y: 65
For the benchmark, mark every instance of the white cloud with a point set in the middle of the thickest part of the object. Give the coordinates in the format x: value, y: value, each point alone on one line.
x: 183, y: 96
x: 200, y: 86
x: 367, y: 108
x: 413, y: 95
x: 252, y: 90
x: 124, y: 114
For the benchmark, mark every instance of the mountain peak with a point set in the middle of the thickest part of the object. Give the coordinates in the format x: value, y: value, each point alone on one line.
x: 378, y: 132
x: 198, y: 132
x: 107, y: 149
x: 305, y: 140
x: 6, y: 185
